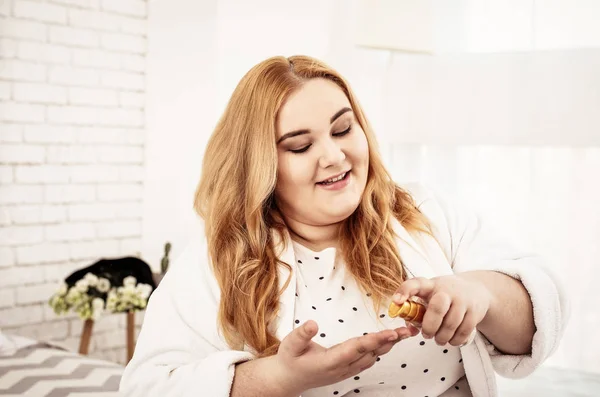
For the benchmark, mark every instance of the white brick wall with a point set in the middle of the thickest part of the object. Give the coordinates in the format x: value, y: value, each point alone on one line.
x: 72, y: 97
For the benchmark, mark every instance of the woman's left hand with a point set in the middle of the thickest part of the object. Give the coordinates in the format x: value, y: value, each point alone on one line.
x: 456, y: 304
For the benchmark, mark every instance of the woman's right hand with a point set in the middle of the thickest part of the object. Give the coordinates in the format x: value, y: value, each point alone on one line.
x: 302, y: 364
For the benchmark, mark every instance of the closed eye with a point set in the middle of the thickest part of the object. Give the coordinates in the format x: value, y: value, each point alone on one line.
x: 301, y: 150
x: 342, y: 133
x: 337, y: 134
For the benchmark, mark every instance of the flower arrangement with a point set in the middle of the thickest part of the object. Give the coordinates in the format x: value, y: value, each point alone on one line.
x: 129, y: 297
x: 91, y: 295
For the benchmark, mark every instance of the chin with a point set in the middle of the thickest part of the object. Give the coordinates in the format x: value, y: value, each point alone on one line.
x: 340, y: 212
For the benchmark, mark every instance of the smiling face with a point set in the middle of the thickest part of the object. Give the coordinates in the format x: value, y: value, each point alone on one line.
x: 323, y: 155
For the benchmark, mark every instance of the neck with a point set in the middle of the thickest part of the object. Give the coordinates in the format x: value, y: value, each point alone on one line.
x: 313, y: 237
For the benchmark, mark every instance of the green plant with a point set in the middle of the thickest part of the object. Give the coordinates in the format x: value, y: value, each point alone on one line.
x: 164, y: 262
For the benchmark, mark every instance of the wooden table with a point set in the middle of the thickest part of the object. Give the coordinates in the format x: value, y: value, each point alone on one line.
x: 86, y: 335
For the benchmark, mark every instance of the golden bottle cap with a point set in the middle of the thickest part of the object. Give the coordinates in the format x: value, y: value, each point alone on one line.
x: 409, y: 311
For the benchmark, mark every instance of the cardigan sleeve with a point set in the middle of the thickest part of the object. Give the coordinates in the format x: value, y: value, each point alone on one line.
x: 470, y: 244
x: 179, y: 351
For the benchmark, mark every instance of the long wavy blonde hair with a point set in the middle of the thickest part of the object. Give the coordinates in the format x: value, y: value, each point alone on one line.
x: 235, y: 199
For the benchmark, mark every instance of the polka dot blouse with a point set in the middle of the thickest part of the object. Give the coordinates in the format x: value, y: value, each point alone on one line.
x: 417, y: 367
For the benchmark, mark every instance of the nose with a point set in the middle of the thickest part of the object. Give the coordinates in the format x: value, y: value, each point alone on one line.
x: 331, y: 155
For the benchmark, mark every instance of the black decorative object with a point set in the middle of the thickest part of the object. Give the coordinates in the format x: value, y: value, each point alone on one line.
x: 116, y: 270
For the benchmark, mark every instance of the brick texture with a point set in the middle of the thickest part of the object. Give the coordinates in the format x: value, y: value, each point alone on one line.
x: 72, y: 97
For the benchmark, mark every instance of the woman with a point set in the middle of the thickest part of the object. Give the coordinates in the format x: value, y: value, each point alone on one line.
x: 307, y: 241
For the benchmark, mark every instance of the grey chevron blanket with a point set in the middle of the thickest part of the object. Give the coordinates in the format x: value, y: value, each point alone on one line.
x: 42, y: 370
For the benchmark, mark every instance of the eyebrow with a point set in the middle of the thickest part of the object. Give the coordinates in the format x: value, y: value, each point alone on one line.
x: 305, y: 131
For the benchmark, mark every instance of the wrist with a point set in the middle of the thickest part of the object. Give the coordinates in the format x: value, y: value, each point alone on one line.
x: 283, y: 381
x: 484, y: 280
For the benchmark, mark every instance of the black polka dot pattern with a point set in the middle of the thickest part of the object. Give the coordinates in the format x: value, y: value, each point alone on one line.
x: 339, y: 319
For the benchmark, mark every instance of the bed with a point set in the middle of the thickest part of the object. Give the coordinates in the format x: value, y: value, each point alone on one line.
x: 35, y: 369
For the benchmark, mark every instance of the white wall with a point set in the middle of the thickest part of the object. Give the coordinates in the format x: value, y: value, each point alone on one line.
x: 72, y: 93
x: 475, y: 26
x: 181, y: 113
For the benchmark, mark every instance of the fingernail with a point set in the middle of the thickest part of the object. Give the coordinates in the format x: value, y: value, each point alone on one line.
x: 426, y: 336
x: 393, y: 337
x: 398, y: 298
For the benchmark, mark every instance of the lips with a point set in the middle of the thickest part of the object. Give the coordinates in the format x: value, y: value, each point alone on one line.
x: 334, y: 178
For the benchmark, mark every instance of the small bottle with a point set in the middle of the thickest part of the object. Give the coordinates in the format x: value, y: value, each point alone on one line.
x: 410, y: 311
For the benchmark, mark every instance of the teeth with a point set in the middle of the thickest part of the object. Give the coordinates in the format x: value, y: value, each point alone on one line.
x: 339, y: 178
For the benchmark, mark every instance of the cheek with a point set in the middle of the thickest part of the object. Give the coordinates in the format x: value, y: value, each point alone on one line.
x: 293, y: 171
x: 360, y: 149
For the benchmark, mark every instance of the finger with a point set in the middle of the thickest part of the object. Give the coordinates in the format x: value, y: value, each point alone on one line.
x: 363, y: 363
x: 452, y: 321
x: 436, y: 310
x: 384, y: 349
x: 464, y: 331
x: 406, y: 332
x: 412, y: 329
x: 353, y: 349
x: 420, y: 286
x: 297, y: 342
x: 403, y: 333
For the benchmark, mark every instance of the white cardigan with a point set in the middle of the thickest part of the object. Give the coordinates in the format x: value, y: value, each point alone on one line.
x: 180, y: 330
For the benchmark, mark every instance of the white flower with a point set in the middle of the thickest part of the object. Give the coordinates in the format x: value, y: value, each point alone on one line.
x: 103, y: 285
x: 82, y: 285
x: 144, y: 290
x: 111, y: 300
x: 129, y: 280
x: 91, y: 279
x: 73, y: 293
x: 129, y: 289
x: 97, y: 304
x: 62, y: 290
